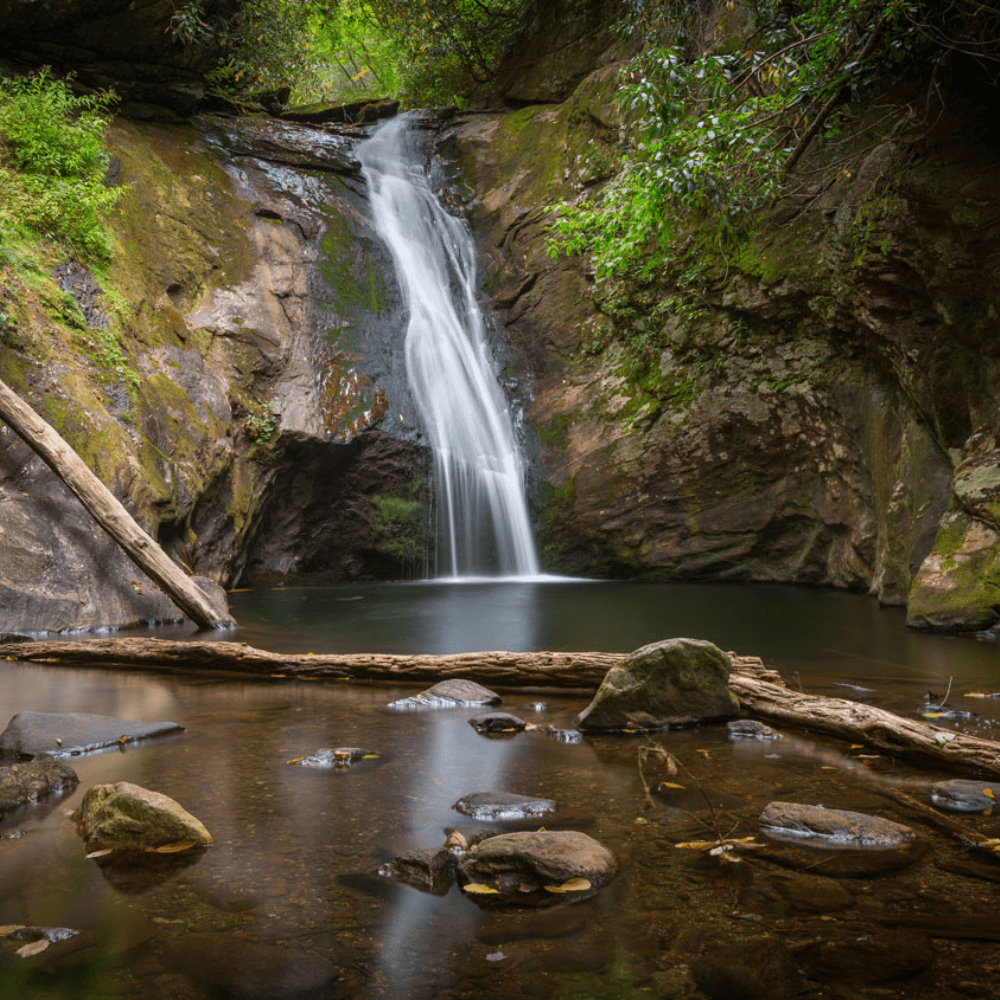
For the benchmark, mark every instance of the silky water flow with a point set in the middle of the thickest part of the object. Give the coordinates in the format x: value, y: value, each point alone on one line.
x: 482, y: 518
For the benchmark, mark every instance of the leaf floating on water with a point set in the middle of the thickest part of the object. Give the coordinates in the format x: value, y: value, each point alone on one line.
x: 982, y: 694
x: 670, y: 784
x: 8, y: 930
x: 697, y: 845
x: 175, y: 848
x: 988, y: 792
x: 370, y: 756
x: 827, y: 767
x: 99, y: 854
x: 932, y: 715
x: 478, y: 889
x: 35, y: 948
x: 705, y: 754
x: 296, y: 760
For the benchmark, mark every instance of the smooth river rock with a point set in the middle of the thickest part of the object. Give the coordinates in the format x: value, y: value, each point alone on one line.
x: 750, y: 729
x: 962, y: 795
x: 33, y: 781
x: 678, y: 682
x: 29, y: 734
x: 129, y: 818
x: 453, y: 693
x: 503, y: 806
x: 432, y: 869
x: 497, y: 722
x: 832, y: 828
x: 337, y: 757
x: 542, y: 858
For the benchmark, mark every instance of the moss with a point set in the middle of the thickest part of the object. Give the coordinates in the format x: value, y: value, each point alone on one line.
x: 400, y: 525
x: 348, y: 269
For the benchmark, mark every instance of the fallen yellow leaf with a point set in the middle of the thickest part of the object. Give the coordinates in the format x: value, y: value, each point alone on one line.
x: 99, y: 854
x: 35, y: 948
x: 670, y: 784
x: 988, y: 792
x: 572, y: 885
x: 175, y: 848
x: 477, y: 888
x: 296, y: 760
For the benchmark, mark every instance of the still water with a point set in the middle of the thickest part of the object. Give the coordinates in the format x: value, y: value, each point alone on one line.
x: 288, y: 903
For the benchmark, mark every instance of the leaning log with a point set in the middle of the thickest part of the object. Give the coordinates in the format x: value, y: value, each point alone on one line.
x: 109, y: 512
x: 759, y: 688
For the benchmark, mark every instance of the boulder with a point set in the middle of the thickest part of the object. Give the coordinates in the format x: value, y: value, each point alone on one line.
x: 540, y: 858
x: 129, y: 818
x: 503, y: 806
x: 453, y: 693
x: 497, y: 722
x: 678, y: 682
x: 29, y: 734
x: 962, y: 795
x: 832, y: 828
x: 32, y: 781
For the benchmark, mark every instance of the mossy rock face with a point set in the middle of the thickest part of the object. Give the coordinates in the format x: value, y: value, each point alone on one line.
x: 678, y: 682
x: 129, y: 818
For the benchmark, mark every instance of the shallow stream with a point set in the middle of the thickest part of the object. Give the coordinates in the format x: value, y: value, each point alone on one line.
x: 291, y: 882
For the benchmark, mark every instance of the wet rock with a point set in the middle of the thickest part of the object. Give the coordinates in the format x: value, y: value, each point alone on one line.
x: 811, y: 893
x: 961, y: 795
x: 679, y: 682
x: 503, y: 806
x: 33, y: 781
x: 248, y: 970
x: 29, y: 734
x: 751, y: 970
x: 750, y: 729
x: 337, y: 757
x: 453, y: 693
x: 129, y: 818
x: 38, y: 945
x: 341, y: 114
x: 497, y: 722
x: 832, y: 828
x: 433, y: 869
x: 543, y: 857
x: 868, y: 959
x: 564, y: 735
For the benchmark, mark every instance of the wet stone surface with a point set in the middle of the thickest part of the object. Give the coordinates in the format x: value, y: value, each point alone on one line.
x: 962, y: 795
x: 497, y: 722
x: 750, y: 729
x: 34, y: 781
x: 454, y: 693
x: 29, y: 734
x: 832, y: 828
x: 503, y: 806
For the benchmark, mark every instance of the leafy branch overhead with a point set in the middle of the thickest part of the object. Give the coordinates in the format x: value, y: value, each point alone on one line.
x: 718, y: 126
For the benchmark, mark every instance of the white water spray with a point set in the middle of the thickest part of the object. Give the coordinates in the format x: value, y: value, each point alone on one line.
x: 483, y: 526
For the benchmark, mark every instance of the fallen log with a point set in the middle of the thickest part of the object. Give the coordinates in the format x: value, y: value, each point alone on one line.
x: 109, y: 513
x: 758, y: 687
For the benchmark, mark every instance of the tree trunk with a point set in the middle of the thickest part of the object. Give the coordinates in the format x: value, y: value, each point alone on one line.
x: 758, y: 687
x: 109, y: 513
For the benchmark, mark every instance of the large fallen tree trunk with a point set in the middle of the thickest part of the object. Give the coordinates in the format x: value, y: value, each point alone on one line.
x: 758, y: 687
x: 109, y: 512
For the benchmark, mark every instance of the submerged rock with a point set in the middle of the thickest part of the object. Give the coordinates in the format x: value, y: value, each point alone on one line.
x: 750, y: 729
x: 871, y: 958
x: 961, y: 795
x: 497, y: 722
x: 503, y: 806
x: 129, y: 818
x: 811, y: 892
x: 832, y: 828
x: 539, y: 858
x: 21, y: 784
x: 679, y: 682
x: 29, y: 734
x: 450, y: 694
x: 752, y: 970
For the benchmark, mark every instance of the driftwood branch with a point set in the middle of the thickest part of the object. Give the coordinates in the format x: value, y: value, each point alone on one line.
x: 759, y: 688
x: 109, y: 512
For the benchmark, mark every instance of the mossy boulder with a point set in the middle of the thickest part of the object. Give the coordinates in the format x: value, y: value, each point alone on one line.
x: 678, y: 682
x: 128, y: 818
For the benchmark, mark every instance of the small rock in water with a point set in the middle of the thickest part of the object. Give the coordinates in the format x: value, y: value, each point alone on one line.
x: 751, y: 969
x: 29, y: 734
x: 962, y: 795
x: 432, y: 869
x: 338, y: 757
x: 750, y: 729
x: 831, y: 828
x: 455, y: 693
x: 32, y: 781
x: 128, y: 818
x: 538, y: 706
x: 503, y: 806
x: 497, y: 722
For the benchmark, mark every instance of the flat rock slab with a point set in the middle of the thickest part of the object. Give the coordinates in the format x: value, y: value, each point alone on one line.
x: 452, y: 693
x: 962, y: 795
x: 29, y: 734
x: 33, y: 781
x: 244, y: 968
x: 503, y: 806
x: 497, y: 722
x: 810, y: 892
x: 679, y: 682
x: 832, y: 828
x: 543, y: 858
x: 129, y: 818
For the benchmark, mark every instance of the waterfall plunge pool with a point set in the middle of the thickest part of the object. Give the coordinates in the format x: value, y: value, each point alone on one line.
x: 288, y: 903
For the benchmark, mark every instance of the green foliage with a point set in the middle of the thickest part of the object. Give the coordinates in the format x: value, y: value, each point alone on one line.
x: 261, y: 424
x: 53, y: 163
x: 400, y: 523
x: 714, y: 135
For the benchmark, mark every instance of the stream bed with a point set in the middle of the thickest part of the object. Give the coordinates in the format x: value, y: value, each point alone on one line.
x: 289, y: 902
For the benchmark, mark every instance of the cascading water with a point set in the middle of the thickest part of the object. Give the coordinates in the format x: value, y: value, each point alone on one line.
x: 482, y: 518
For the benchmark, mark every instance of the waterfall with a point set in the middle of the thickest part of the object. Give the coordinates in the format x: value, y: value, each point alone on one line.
x: 482, y: 518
